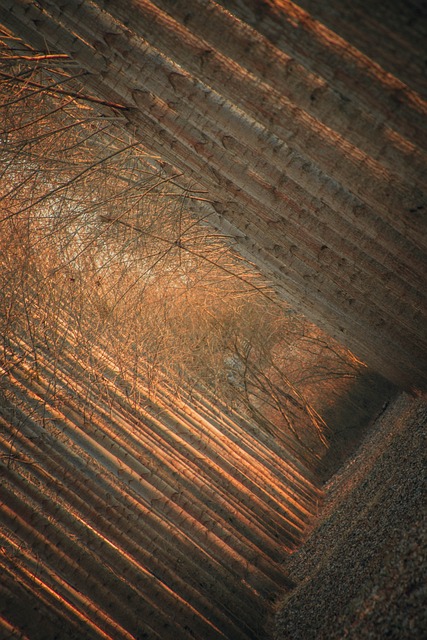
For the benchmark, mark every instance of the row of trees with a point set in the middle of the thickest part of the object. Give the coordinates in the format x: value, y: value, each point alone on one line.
x: 160, y: 410
x: 93, y: 225
x: 312, y: 153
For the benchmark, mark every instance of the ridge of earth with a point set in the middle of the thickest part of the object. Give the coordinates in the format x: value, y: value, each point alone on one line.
x: 361, y: 573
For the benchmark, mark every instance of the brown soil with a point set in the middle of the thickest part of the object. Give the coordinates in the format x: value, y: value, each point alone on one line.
x: 361, y: 573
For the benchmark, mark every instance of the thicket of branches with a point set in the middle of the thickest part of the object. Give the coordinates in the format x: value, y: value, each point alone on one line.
x: 99, y: 238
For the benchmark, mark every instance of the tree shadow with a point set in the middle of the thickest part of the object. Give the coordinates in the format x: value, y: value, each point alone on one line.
x: 351, y: 417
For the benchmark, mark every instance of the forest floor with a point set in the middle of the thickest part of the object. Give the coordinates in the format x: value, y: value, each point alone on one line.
x: 361, y: 574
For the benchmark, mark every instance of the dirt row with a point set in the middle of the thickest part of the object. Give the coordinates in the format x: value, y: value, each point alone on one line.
x: 361, y: 573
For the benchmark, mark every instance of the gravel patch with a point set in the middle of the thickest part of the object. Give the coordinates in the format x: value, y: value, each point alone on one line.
x: 361, y: 573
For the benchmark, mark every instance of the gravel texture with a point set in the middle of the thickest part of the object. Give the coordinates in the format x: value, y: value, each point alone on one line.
x: 362, y: 572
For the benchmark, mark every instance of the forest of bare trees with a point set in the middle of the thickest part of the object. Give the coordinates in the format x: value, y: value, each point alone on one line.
x: 312, y: 153
x: 166, y: 418
x: 94, y: 227
x: 138, y: 347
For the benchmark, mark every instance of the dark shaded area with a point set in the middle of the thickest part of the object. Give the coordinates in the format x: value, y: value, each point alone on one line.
x: 393, y: 33
x: 351, y: 416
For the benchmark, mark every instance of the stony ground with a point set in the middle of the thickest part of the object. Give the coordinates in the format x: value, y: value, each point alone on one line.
x: 362, y: 572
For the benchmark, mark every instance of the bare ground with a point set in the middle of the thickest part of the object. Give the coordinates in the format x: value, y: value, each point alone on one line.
x: 362, y: 572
